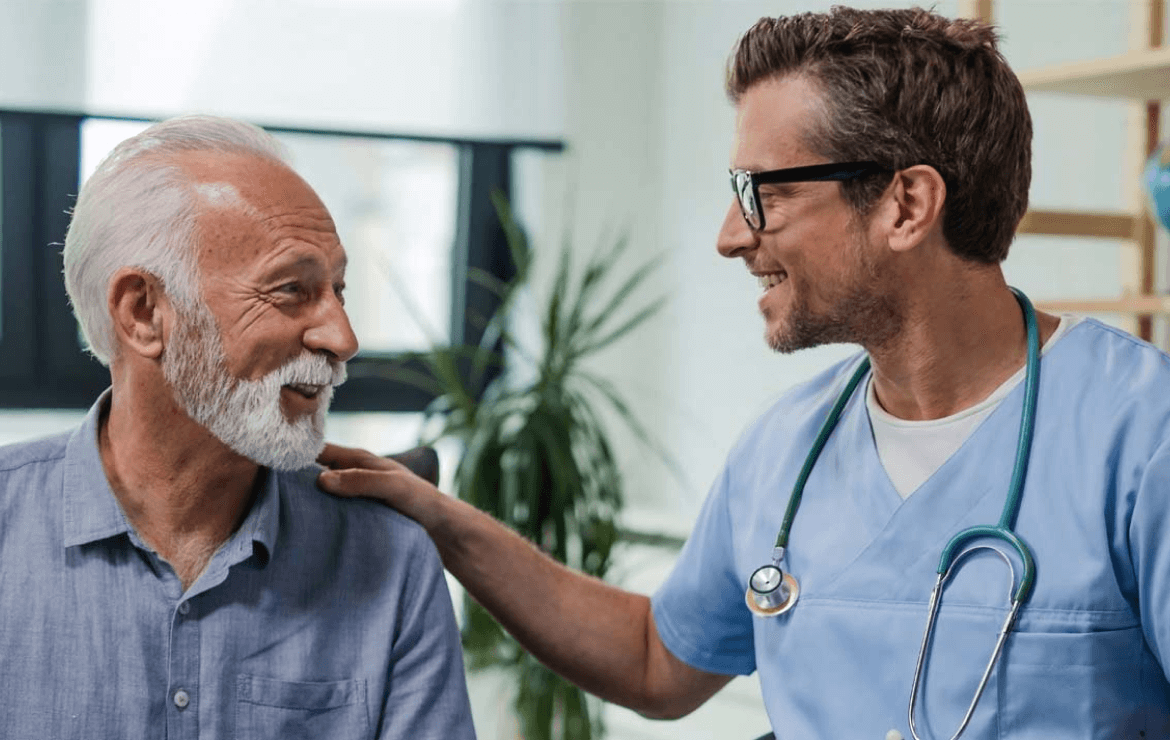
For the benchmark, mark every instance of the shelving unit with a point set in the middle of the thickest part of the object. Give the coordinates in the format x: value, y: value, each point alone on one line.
x: 1141, y: 76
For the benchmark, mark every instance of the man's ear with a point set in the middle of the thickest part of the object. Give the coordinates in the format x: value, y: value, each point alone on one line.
x: 917, y: 195
x: 140, y: 311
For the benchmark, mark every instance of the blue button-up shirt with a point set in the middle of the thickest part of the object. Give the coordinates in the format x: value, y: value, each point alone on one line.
x: 318, y: 618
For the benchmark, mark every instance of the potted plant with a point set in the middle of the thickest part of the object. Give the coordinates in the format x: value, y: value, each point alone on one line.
x: 536, y: 453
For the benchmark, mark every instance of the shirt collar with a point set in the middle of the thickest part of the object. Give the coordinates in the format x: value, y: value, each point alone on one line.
x: 262, y: 524
x: 92, y: 513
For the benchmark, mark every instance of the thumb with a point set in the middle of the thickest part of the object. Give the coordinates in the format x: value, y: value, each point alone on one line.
x: 397, y: 487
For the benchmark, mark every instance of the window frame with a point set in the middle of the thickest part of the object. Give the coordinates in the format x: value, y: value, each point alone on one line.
x: 40, y: 157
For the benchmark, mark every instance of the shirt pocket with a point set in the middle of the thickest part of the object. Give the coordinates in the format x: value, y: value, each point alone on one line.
x: 292, y: 710
x: 1090, y: 684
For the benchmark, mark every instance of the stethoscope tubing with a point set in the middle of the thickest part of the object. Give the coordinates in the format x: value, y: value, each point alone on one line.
x: 932, y: 615
x: 1011, y: 506
x: 1019, y: 470
x: 1003, y: 530
x: 815, y: 452
x: 954, y: 550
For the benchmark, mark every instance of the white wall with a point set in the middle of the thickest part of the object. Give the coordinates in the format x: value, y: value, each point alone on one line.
x: 426, y: 66
x: 42, y: 53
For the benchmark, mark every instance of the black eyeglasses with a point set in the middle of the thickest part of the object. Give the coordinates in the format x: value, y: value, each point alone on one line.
x: 746, y: 185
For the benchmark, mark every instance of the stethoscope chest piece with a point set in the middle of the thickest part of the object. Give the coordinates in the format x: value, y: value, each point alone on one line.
x: 771, y: 591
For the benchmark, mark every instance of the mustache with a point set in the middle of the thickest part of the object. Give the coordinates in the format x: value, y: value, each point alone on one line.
x: 311, y: 369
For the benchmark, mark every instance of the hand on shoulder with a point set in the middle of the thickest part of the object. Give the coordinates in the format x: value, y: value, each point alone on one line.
x: 353, y: 472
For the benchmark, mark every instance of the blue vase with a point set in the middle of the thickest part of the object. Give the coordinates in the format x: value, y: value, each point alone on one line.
x: 1156, y: 179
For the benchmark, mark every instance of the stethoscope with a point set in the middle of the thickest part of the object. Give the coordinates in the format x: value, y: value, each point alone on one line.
x: 772, y: 591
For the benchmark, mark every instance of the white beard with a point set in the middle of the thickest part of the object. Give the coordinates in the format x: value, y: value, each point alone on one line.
x: 245, y: 414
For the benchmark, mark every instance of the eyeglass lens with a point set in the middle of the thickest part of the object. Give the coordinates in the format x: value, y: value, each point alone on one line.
x: 742, y: 183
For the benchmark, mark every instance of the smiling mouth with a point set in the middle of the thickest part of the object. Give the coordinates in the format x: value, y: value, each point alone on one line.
x: 306, y: 390
x: 771, y: 280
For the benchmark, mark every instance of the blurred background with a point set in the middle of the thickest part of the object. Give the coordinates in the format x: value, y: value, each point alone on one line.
x: 596, y: 117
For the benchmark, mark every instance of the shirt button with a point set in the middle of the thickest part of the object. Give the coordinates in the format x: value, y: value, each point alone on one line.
x: 184, y: 607
x: 894, y: 735
x: 182, y: 699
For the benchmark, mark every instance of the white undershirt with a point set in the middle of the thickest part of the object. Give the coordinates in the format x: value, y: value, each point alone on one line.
x: 911, y: 451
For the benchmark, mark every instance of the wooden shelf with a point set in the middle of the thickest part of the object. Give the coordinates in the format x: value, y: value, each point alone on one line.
x: 1139, y: 75
x: 1142, y: 78
x: 1109, y: 225
x: 1138, y: 305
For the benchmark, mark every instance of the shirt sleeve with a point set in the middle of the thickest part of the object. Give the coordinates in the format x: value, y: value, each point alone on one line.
x: 1150, y: 550
x: 699, y: 611
x: 427, y: 697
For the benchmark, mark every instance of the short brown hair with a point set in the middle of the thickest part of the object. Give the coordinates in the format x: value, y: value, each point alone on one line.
x: 906, y: 87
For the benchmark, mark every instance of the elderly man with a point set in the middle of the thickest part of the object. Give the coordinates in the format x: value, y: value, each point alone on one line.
x: 880, y: 167
x: 168, y: 569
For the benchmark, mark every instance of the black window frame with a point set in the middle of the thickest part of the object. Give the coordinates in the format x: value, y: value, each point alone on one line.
x: 40, y: 153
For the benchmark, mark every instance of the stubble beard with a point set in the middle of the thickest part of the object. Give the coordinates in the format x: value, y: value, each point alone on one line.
x: 863, y: 312
x: 244, y: 414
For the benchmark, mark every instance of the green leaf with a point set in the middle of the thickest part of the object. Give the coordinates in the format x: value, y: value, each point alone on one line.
x: 485, y: 643
x: 553, y: 330
x: 537, y: 453
x: 575, y: 717
x: 594, y: 275
x: 514, y: 235
x: 630, y: 324
x: 606, y: 389
x: 632, y: 283
x: 536, y: 701
x: 489, y: 282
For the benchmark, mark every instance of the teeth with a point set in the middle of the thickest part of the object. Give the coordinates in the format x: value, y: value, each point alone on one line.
x: 305, y: 388
x: 771, y: 280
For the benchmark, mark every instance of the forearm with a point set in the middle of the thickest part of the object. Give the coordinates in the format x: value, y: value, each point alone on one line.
x: 592, y: 633
x: 596, y: 635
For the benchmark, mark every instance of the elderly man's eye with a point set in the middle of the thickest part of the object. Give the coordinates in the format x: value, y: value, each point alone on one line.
x: 293, y: 289
x: 339, y: 291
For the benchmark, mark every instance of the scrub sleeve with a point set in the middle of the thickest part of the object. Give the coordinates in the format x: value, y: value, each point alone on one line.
x: 700, y: 611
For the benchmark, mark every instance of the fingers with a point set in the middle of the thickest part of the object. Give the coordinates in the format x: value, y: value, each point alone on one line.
x: 398, y: 488
x: 355, y: 472
x: 340, y: 458
x: 379, y: 484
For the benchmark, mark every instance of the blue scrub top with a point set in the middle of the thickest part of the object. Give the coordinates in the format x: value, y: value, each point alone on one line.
x: 1086, y: 657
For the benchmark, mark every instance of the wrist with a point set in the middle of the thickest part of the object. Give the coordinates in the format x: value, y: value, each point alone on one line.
x: 433, y: 510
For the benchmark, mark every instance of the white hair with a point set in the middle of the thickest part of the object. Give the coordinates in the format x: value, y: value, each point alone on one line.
x: 139, y: 210
x: 246, y: 415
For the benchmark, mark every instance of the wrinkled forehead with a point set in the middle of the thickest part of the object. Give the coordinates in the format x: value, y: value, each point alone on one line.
x: 248, y: 181
x: 249, y: 206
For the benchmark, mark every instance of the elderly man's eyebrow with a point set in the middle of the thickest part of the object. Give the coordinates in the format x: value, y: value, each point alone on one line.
x: 311, y: 262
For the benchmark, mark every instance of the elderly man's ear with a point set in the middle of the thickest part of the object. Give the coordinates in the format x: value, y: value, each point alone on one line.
x: 140, y: 311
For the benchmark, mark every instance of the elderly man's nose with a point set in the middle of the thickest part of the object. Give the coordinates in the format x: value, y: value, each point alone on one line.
x: 332, y: 334
x: 735, y: 236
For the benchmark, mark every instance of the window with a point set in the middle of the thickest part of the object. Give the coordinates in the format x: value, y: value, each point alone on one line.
x: 43, y: 365
x: 395, y: 204
x: 414, y: 214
